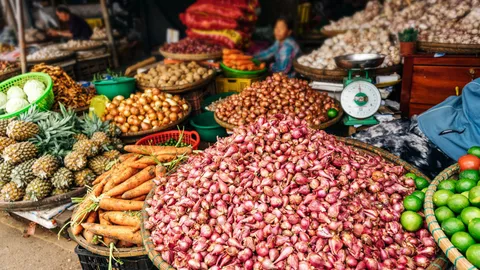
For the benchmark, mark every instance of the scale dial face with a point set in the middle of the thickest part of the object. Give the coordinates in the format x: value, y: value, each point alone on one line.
x: 360, y: 99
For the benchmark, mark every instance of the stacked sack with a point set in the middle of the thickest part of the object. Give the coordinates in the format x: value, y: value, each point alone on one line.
x: 228, y: 23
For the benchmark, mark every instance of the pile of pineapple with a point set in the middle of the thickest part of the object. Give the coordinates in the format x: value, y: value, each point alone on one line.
x: 49, y: 153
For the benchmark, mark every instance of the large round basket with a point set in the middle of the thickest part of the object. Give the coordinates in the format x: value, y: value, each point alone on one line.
x: 439, y: 263
x: 321, y: 126
x: 332, y: 33
x: 51, y: 60
x: 84, y: 48
x: 448, y: 47
x: 46, y: 203
x: 337, y: 75
x: 452, y: 253
x: 191, y: 57
x: 104, y: 251
x: 132, y: 137
x: 179, y: 89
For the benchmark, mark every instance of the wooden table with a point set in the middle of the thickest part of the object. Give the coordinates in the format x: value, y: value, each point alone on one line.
x: 429, y: 80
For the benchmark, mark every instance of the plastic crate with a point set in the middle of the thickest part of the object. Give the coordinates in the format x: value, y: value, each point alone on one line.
x: 90, y: 261
x: 234, y: 84
x: 190, y: 137
x: 86, y: 68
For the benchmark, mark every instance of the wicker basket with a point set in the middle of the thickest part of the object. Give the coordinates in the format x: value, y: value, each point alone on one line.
x: 191, y: 57
x: 452, y: 253
x: 87, y: 68
x: 433, y: 47
x: 9, y: 74
x: 189, y: 137
x: 439, y: 263
x: 179, y: 89
x: 46, y: 203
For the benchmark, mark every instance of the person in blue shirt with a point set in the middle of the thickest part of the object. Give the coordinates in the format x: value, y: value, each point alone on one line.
x: 436, y: 138
x: 283, y: 51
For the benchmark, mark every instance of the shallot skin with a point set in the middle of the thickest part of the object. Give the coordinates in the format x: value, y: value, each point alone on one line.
x: 232, y: 208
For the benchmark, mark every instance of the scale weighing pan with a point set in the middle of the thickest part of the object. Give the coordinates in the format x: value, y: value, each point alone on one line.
x: 359, y: 61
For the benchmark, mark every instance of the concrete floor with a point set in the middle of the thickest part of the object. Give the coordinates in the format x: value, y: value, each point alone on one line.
x: 41, y: 251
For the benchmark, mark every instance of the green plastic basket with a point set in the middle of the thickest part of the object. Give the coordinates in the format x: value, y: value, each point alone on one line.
x: 207, y: 127
x: 122, y: 86
x: 44, y: 103
x: 234, y: 73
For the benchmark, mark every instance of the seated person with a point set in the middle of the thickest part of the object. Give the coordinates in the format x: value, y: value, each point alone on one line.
x: 78, y: 28
x: 436, y: 138
x: 284, y: 50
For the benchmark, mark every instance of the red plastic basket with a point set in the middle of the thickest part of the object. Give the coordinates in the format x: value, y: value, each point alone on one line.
x: 190, y: 137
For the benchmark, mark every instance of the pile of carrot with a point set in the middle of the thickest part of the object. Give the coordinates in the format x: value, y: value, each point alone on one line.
x: 111, y: 210
x: 237, y: 60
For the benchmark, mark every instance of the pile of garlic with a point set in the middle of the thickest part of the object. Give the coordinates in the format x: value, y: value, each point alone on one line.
x: 372, y: 40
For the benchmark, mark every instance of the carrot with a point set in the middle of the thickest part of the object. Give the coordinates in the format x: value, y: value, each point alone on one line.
x: 124, y: 157
x: 124, y: 175
x: 160, y: 171
x: 125, y: 233
x: 81, y: 212
x: 124, y: 244
x: 140, y: 198
x: 138, y: 165
x: 171, y: 61
x: 231, y: 51
x: 109, y: 185
x: 103, y: 221
x: 157, y: 150
x: 132, y: 182
x: 76, y: 229
x: 92, y: 217
x: 122, y: 218
x: 151, y: 160
x: 112, y: 204
x: 138, y: 191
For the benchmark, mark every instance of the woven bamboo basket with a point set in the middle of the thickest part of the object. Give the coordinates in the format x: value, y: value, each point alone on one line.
x: 51, y: 60
x: 332, y: 33
x: 179, y: 89
x: 84, y: 48
x: 439, y: 263
x: 9, y: 74
x: 46, y: 203
x: 191, y: 57
x: 448, y: 47
x: 452, y: 253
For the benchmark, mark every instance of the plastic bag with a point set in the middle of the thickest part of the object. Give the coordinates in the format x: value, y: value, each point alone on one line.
x: 207, y: 22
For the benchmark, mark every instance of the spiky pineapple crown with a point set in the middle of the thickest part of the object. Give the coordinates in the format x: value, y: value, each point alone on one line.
x: 92, y: 123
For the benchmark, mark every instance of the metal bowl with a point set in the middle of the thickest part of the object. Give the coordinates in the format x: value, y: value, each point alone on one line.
x: 359, y: 60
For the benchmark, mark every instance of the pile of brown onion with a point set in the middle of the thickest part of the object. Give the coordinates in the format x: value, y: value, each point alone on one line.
x: 279, y: 195
x: 276, y: 94
x: 144, y: 111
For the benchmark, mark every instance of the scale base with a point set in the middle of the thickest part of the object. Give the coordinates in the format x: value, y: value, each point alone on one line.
x: 351, y: 121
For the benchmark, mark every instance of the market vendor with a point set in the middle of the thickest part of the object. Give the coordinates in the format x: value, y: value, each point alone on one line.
x: 78, y: 28
x: 283, y: 51
x: 436, y: 138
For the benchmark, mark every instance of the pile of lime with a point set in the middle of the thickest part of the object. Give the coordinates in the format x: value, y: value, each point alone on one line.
x: 410, y: 219
x: 174, y: 142
x: 457, y: 209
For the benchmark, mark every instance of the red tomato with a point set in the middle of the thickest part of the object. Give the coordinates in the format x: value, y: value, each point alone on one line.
x: 469, y: 162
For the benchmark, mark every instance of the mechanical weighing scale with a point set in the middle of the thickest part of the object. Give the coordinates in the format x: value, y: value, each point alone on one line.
x: 360, y: 98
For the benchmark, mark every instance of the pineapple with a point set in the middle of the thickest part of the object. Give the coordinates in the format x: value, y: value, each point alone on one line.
x: 5, y: 171
x: 11, y: 192
x: 4, y: 142
x: 22, y: 174
x: 87, y: 147
x: 113, y: 130
x: 45, y: 166
x: 37, y: 190
x: 84, y: 177
x: 100, y: 138
x: 3, y: 126
x: 98, y: 164
x: 112, y: 155
x: 63, y: 178
x: 19, y: 152
x: 75, y: 161
x: 59, y: 191
x: 80, y: 137
x: 3, y: 182
x: 22, y: 130
x: 117, y: 144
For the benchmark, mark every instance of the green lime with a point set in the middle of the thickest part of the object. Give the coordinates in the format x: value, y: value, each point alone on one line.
x: 410, y: 175
x: 462, y: 241
x: 425, y: 190
x: 419, y: 194
x: 440, y: 197
x: 457, y: 202
x: 474, y: 228
x: 470, y: 174
x: 473, y: 255
x: 474, y: 150
x: 421, y: 183
x: 412, y: 203
x: 474, y: 196
x: 465, y: 193
x: 411, y: 221
x: 443, y: 213
x: 452, y: 225
x: 447, y: 185
x: 469, y: 213
x: 464, y: 185
x: 332, y: 113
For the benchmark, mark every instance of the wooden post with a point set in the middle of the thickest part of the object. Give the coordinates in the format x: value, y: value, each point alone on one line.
x: 21, y: 35
x: 108, y: 27
x: 10, y: 18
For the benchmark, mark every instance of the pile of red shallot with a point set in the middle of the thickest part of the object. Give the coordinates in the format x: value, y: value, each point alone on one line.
x: 191, y: 46
x: 276, y: 94
x: 279, y: 195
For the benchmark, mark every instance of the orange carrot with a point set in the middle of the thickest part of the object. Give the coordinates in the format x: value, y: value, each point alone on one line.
x: 153, y: 150
x: 160, y: 171
x: 112, y: 204
x: 80, y: 214
x: 124, y: 244
x: 122, y: 218
x: 134, y: 181
x: 142, y: 189
x: 103, y: 221
x: 138, y: 165
x: 140, y: 198
x: 109, y: 185
x: 124, y: 157
x: 91, y: 219
x: 125, y: 233
x: 124, y: 175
